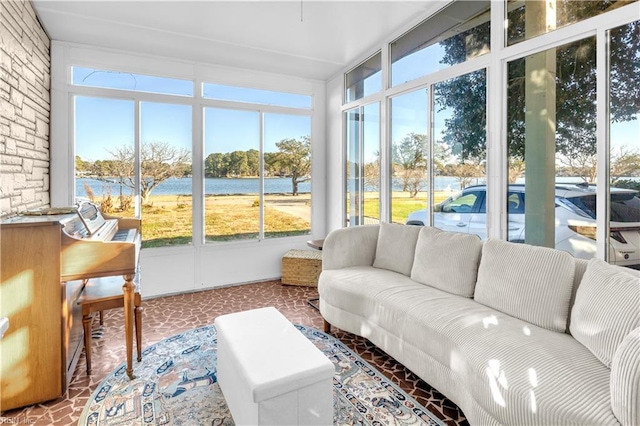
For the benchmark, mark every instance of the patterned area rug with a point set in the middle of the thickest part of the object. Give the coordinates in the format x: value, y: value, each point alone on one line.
x: 176, y: 384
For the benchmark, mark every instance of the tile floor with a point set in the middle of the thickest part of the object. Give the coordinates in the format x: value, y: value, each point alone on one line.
x: 169, y: 315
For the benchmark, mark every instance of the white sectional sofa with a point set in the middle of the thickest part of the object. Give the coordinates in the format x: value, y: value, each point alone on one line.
x: 514, y: 334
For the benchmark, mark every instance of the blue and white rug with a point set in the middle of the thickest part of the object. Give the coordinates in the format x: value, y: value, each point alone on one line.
x: 176, y: 384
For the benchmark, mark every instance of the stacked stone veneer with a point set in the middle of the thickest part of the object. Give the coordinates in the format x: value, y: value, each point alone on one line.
x: 25, y: 81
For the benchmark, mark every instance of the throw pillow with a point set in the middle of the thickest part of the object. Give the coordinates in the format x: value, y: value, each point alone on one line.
x: 606, y: 309
x: 447, y: 260
x: 396, y: 247
x: 527, y: 282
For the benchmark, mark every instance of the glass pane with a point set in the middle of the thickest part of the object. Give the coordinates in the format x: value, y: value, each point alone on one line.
x: 409, y: 155
x: 165, y: 168
x: 460, y: 152
x: 624, y: 109
x: 365, y: 79
x: 129, y: 81
x: 551, y: 137
x: 353, y: 171
x: 104, y: 145
x: 530, y: 18
x: 231, y: 169
x: 371, y: 163
x: 458, y: 33
x: 255, y: 96
x: 287, y: 175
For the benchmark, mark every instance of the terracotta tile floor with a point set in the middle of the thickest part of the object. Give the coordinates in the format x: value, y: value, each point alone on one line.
x: 166, y: 316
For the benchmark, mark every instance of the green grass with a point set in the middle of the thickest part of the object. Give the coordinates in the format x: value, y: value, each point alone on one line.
x: 167, y: 221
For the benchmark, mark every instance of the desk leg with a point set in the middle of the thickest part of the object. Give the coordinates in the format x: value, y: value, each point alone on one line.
x: 129, y: 293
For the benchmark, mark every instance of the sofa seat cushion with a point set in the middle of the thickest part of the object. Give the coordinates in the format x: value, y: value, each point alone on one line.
x: 523, y: 373
x: 354, y: 289
x: 527, y: 282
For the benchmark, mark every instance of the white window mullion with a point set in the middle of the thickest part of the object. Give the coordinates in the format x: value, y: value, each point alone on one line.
x: 197, y: 174
x: 602, y: 143
x: 496, y: 167
x: 137, y: 169
x: 261, y: 175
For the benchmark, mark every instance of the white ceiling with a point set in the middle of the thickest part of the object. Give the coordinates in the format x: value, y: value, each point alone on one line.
x: 313, y: 39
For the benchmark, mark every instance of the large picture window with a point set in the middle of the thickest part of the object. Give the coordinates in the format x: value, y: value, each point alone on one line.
x: 134, y: 157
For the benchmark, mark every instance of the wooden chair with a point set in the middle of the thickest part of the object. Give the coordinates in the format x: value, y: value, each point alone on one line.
x: 100, y: 294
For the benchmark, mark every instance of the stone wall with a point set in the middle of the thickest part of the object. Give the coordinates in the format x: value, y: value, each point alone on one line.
x: 25, y: 81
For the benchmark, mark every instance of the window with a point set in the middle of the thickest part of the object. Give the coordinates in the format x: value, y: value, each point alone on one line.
x: 460, y: 138
x: 106, y: 156
x: 624, y: 154
x: 232, y: 174
x: 551, y: 138
x: 104, y: 144
x: 530, y: 18
x: 458, y: 33
x: 287, y: 175
x: 409, y: 153
x: 363, y: 165
x: 129, y: 81
x: 256, y: 186
x: 165, y: 174
x: 134, y: 158
x: 365, y: 79
x: 255, y: 96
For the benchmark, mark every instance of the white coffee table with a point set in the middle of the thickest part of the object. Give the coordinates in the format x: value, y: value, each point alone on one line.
x: 269, y: 373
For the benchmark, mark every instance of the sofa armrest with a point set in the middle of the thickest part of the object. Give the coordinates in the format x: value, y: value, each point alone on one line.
x: 355, y: 246
x: 625, y: 380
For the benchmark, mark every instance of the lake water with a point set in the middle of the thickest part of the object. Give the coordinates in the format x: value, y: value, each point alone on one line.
x: 227, y: 186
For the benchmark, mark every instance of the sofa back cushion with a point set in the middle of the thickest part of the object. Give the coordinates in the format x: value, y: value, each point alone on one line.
x: 447, y: 260
x: 396, y: 247
x: 606, y: 309
x: 527, y: 282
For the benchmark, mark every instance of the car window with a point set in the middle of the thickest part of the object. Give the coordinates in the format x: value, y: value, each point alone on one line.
x: 625, y: 209
x: 461, y: 203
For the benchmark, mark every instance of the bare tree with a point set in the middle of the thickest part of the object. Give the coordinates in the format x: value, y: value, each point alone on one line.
x: 624, y: 163
x: 159, y: 161
x: 410, y: 162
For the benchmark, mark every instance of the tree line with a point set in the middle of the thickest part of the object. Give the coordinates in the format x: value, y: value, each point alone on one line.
x: 159, y: 161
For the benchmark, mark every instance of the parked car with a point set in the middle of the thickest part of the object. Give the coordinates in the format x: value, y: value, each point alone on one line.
x: 575, y: 221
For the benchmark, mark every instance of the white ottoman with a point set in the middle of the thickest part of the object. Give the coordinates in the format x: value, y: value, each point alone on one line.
x: 269, y: 373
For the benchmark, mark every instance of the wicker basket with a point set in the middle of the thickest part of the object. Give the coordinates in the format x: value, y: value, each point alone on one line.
x: 301, y: 267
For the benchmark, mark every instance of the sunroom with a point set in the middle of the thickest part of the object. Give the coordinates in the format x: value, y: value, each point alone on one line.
x: 237, y: 131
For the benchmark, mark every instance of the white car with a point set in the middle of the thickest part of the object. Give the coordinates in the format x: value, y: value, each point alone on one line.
x: 575, y: 221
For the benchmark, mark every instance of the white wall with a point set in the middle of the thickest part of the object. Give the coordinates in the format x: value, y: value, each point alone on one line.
x: 335, y: 158
x: 176, y: 269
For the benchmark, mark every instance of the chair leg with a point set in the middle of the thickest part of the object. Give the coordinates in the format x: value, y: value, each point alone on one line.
x: 137, y: 313
x: 101, y: 317
x: 86, y: 322
x: 327, y: 326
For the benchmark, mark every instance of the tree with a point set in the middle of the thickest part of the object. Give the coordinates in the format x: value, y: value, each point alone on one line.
x: 295, y: 156
x: 410, y: 162
x: 624, y: 163
x: 216, y: 165
x: 159, y: 161
x: 575, y: 86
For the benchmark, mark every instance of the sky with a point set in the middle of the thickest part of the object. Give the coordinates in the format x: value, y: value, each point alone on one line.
x: 104, y: 124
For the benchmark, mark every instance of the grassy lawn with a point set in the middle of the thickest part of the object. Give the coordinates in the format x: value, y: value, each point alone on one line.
x: 402, y: 205
x: 167, y: 220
